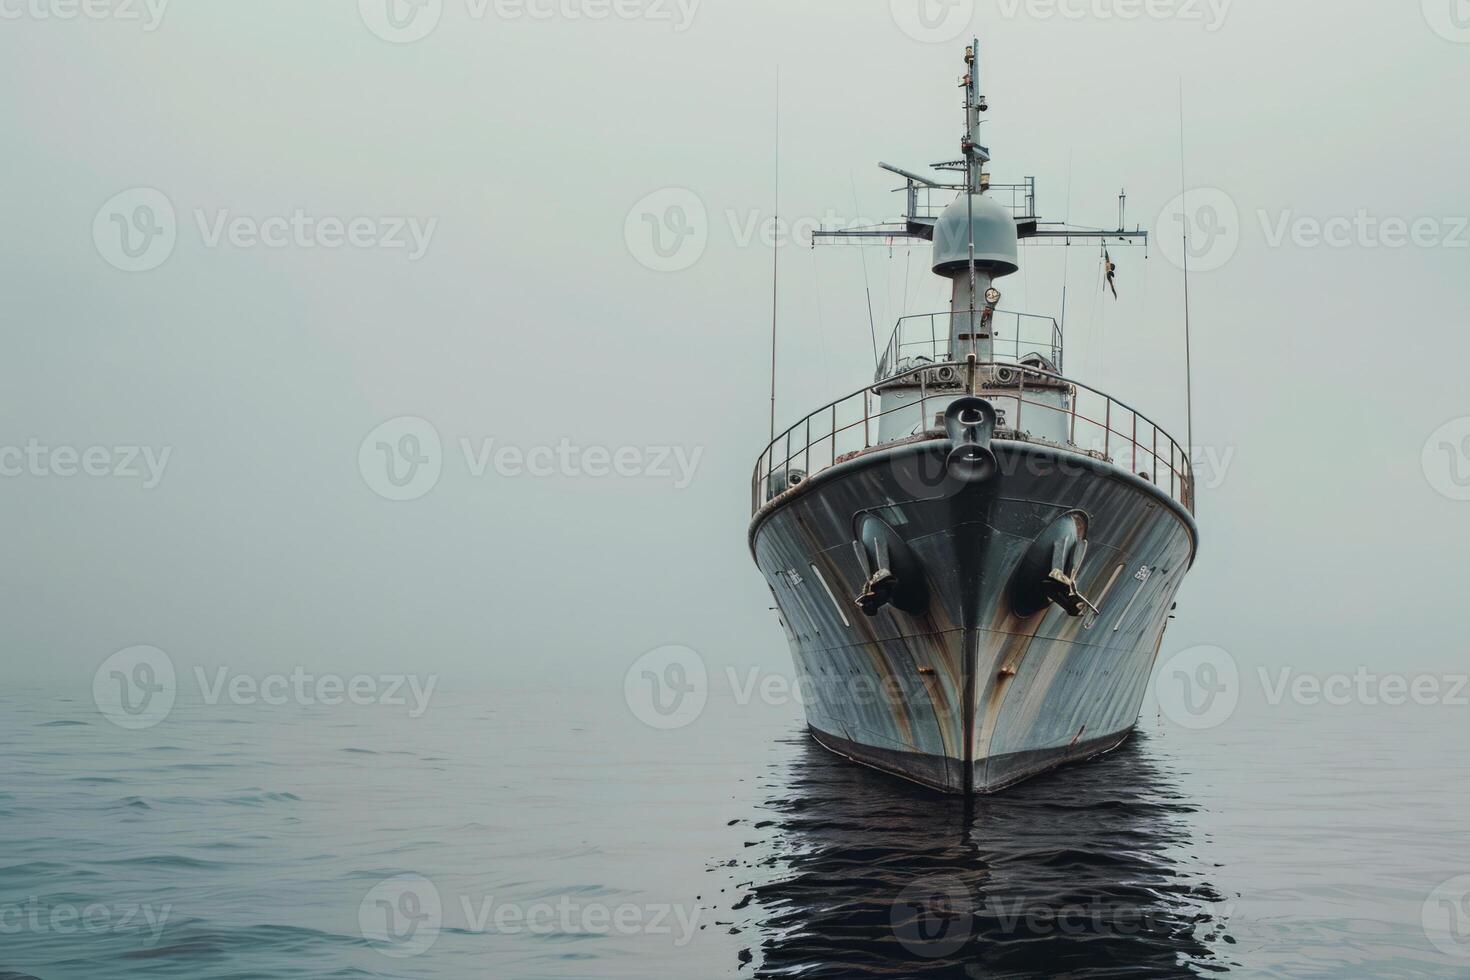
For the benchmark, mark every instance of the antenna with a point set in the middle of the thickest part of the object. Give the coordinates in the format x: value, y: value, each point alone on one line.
x: 1066, y: 255
x: 908, y: 174
x: 974, y: 105
x: 915, y: 226
x: 1188, y: 363
x: 776, y: 256
x: 867, y: 283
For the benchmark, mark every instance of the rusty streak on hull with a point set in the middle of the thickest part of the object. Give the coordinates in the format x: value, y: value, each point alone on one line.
x: 967, y: 696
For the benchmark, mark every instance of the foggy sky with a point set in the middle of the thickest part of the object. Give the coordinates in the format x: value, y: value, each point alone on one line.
x: 1319, y: 371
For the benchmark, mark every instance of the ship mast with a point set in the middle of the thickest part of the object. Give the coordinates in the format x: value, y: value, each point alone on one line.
x: 975, y: 159
x: 975, y: 238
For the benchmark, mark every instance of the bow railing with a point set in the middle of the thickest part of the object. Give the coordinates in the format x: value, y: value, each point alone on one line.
x: 1093, y: 423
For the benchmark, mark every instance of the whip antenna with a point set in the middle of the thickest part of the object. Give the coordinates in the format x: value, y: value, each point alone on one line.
x: 776, y: 254
x: 1188, y: 363
x: 867, y: 284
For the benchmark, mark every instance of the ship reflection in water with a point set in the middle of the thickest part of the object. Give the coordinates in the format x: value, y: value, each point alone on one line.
x: 1070, y: 874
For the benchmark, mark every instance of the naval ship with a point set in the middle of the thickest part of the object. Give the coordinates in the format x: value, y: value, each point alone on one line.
x: 975, y: 557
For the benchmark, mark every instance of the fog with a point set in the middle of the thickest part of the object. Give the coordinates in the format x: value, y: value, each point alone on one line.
x: 502, y: 287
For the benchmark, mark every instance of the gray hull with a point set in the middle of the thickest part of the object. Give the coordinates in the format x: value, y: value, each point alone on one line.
x: 962, y: 693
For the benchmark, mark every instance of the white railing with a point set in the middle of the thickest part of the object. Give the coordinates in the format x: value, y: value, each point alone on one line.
x: 1013, y: 337
x: 1096, y: 424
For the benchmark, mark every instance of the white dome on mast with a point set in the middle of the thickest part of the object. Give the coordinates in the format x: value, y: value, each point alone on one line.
x: 997, y: 250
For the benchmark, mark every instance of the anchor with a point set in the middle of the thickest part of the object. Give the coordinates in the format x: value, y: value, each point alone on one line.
x: 1048, y: 573
x: 893, y: 573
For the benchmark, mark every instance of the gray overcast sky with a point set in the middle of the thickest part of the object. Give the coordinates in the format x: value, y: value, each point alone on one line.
x: 518, y: 147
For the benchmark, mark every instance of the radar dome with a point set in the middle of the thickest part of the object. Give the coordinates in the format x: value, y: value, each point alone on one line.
x: 995, y: 237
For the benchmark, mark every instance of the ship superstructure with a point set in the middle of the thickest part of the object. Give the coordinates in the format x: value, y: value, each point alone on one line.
x: 974, y: 557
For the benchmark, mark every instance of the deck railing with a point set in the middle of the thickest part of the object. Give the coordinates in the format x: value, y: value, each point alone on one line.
x: 1014, y: 336
x: 1096, y: 425
x: 1019, y: 199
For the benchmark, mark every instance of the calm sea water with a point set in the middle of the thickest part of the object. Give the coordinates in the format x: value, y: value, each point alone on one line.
x: 539, y: 833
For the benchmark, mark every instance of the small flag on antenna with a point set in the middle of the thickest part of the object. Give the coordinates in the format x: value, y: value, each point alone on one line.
x: 1111, y: 268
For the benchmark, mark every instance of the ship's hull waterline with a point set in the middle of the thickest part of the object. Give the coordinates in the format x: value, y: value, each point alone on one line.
x: 962, y: 692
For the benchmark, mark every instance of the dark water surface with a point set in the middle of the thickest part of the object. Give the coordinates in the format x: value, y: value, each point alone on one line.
x: 550, y: 834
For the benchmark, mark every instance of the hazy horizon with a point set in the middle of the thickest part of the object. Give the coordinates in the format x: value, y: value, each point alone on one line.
x: 499, y: 291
